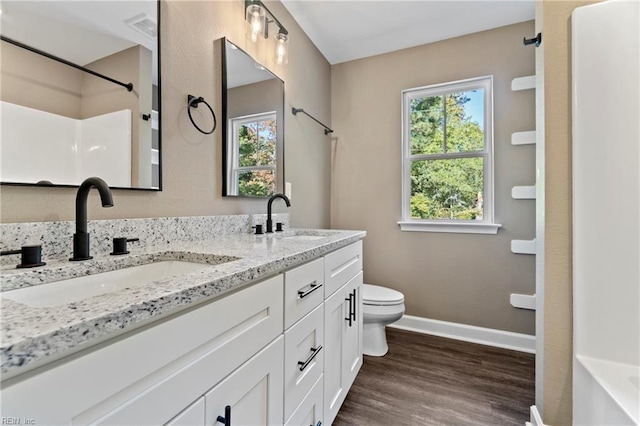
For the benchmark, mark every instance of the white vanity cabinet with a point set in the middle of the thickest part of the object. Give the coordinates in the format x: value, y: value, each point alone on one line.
x: 284, y: 350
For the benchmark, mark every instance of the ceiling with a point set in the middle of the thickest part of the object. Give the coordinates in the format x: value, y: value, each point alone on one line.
x: 78, y: 31
x: 354, y: 29
x: 242, y: 69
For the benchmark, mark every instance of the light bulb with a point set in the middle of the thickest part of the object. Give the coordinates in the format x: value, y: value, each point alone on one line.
x: 282, y: 51
x: 256, y: 19
x: 256, y: 26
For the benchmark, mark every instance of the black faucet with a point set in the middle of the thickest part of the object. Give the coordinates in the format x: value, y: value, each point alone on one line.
x: 273, y: 197
x: 81, y: 237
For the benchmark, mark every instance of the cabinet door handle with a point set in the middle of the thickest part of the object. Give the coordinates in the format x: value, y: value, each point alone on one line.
x: 304, y: 364
x: 312, y: 287
x: 350, y: 314
x: 226, y: 420
x: 355, y: 305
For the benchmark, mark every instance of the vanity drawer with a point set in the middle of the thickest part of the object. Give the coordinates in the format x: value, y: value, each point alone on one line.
x: 303, y: 290
x: 310, y: 410
x: 303, y: 358
x: 340, y: 266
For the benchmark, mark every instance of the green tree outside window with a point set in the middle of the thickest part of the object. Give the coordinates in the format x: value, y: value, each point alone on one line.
x: 446, y: 143
x: 255, y: 142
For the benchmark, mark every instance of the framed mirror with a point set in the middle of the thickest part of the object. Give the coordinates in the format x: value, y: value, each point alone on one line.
x: 80, y: 93
x: 253, y: 125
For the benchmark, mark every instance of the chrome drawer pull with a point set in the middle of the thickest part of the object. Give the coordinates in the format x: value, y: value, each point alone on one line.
x: 313, y: 287
x: 226, y: 420
x: 304, y: 364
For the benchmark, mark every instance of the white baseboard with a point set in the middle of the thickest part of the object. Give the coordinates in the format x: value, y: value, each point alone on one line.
x: 468, y: 333
x: 536, y: 419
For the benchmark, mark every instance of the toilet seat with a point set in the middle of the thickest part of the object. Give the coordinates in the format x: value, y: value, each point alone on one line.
x: 380, y: 296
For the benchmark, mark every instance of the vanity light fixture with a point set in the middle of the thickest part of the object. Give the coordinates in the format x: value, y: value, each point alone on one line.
x: 258, y: 17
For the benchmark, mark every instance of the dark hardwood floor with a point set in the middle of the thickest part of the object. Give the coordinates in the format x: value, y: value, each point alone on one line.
x: 429, y: 380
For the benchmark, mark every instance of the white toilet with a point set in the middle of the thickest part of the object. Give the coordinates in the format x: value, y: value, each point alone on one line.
x: 381, y: 306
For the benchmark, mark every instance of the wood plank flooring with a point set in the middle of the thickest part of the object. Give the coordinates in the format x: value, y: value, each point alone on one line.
x: 429, y: 380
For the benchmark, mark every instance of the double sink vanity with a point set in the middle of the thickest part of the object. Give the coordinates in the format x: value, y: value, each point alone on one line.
x: 239, y: 329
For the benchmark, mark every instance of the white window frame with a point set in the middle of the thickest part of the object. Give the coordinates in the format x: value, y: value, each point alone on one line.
x: 233, y: 153
x: 487, y: 224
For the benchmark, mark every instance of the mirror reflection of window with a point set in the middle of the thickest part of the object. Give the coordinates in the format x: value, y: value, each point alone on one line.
x: 254, y: 140
x: 253, y: 125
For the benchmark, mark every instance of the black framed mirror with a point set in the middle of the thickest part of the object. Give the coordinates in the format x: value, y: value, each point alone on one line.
x: 80, y: 93
x: 252, y: 125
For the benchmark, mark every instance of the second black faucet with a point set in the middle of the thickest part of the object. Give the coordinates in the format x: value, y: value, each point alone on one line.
x: 273, y: 197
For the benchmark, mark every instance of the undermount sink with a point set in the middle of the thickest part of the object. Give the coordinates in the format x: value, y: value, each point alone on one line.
x: 76, y: 289
x: 308, y: 235
x: 304, y: 237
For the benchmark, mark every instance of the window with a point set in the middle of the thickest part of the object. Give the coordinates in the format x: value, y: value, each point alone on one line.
x: 447, y: 139
x: 253, y: 155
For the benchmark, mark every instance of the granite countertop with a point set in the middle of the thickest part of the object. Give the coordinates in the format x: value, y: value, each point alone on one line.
x: 32, y: 336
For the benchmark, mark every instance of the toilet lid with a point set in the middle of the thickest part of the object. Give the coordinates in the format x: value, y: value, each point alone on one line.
x: 377, y: 295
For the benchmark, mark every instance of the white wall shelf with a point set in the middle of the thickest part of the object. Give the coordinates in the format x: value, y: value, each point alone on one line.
x: 523, y: 246
x: 524, y: 192
x: 523, y: 83
x: 523, y: 301
x: 523, y: 138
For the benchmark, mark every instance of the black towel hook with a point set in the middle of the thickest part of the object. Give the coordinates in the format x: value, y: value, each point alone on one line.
x: 536, y: 40
x: 192, y: 102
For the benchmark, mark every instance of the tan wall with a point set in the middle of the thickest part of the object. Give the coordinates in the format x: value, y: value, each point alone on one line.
x: 558, y: 298
x: 460, y: 278
x: 192, y: 176
x: 31, y: 80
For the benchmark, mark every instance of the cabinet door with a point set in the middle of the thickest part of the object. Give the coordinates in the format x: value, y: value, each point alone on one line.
x: 343, y: 344
x: 254, y: 391
x: 352, y: 336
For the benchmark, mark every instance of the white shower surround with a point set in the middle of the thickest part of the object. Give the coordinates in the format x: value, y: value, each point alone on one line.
x: 606, y: 213
x: 39, y: 145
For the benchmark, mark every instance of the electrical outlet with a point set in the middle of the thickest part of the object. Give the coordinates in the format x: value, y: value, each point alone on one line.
x: 287, y: 189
